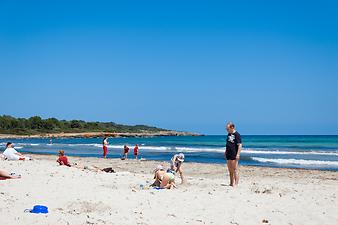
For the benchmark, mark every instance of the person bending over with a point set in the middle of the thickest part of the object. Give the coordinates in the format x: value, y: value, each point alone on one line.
x: 176, y: 165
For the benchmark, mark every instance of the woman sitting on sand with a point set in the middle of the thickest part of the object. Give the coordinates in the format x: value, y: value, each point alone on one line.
x: 164, y: 179
x: 63, y: 160
x: 5, y: 175
x: 11, y: 154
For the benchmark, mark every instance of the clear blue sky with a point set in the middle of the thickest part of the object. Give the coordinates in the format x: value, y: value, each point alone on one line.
x: 269, y: 66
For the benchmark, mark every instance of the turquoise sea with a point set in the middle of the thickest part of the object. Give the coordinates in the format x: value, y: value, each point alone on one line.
x: 298, y: 151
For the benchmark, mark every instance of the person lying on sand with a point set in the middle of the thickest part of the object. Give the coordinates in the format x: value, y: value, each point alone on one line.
x: 11, y: 154
x: 5, y: 175
x: 176, y: 164
x: 63, y: 160
x: 95, y: 168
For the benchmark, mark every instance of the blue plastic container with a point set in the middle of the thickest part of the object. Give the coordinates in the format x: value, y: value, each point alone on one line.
x: 39, y: 209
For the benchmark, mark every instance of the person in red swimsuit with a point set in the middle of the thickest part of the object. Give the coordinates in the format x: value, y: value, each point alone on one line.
x: 105, y: 147
x: 136, y: 152
x: 125, y: 152
x: 63, y: 160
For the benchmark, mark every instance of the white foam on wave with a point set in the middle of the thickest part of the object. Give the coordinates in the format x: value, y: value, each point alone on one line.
x: 245, y: 151
x: 296, y: 161
x: 188, y: 149
x: 219, y: 150
x: 289, y: 152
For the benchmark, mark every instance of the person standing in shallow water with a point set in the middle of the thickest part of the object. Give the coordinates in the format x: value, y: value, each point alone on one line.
x: 105, y: 147
x: 232, y: 152
x: 136, y: 151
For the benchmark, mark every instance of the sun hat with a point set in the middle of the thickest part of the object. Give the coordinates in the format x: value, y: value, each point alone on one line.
x: 180, y: 157
x: 159, y: 167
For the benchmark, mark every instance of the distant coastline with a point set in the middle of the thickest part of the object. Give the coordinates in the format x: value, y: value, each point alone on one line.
x: 99, y: 134
x: 37, y: 127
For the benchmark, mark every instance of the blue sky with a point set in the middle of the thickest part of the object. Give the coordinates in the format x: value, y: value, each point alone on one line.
x: 269, y: 66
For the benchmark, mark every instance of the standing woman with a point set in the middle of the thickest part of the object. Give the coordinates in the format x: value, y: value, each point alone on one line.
x: 105, y: 147
x: 232, y: 152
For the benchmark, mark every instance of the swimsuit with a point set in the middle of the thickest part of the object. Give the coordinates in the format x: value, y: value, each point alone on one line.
x: 171, y: 177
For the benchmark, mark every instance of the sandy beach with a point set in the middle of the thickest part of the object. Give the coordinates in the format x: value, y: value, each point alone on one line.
x: 76, y: 196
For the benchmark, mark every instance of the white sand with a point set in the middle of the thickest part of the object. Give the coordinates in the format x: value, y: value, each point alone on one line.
x: 74, y: 196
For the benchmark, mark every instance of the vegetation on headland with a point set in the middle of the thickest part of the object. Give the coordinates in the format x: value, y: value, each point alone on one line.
x: 36, y: 125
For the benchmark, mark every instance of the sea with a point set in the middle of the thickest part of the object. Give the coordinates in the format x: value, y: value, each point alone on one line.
x: 318, y: 152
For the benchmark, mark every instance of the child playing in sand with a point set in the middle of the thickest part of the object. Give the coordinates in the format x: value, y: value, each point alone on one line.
x: 63, y: 160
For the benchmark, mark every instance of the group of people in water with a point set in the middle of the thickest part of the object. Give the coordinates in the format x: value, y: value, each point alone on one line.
x: 125, y: 152
x: 164, y: 177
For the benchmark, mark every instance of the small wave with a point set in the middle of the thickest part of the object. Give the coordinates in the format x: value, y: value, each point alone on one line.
x: 187, y: 149
x: 296, y: 161
x: 75, y: 145
x: 245, y: 151
x: 18, y: 147
x: 289, y: 152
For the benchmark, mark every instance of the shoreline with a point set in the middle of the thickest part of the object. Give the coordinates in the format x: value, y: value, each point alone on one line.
x: 99, y: 134
x: 197, y: 163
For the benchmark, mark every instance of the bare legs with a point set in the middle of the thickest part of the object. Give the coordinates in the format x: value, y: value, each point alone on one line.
x: 233, y: 172
x: 180, y: 170
x: 236, y: 172
x: 5, y: 174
